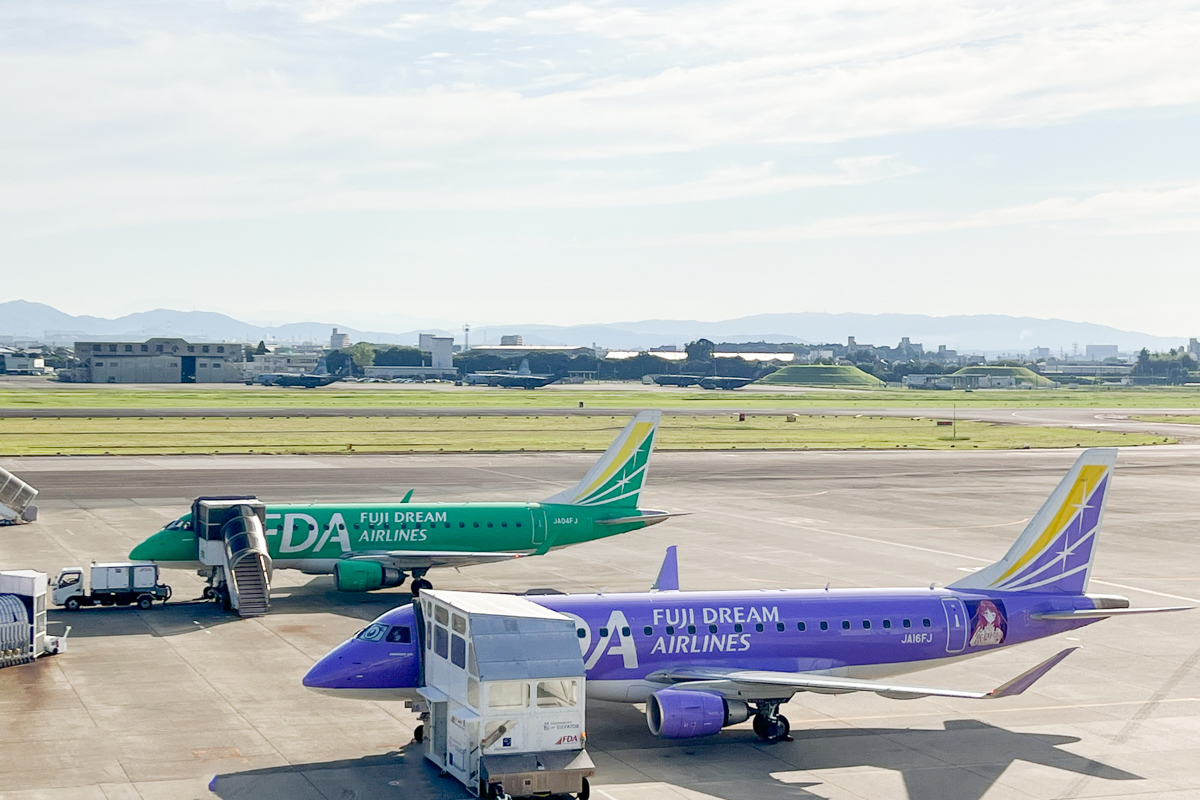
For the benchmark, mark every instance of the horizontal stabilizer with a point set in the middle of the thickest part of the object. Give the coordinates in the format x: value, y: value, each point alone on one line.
x: 1103, y: 613
x: 647, y: 517
x: 734, y: 682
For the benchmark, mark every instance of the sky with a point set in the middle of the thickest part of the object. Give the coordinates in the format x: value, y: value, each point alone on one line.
x: 393, y: 164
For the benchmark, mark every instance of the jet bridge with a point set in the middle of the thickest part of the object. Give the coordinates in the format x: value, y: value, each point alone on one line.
x: 503, y: 694
x: 232, y: 544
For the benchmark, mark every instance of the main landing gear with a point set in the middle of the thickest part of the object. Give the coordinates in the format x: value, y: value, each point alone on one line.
x: 769, y: 724
x: 419, y: 583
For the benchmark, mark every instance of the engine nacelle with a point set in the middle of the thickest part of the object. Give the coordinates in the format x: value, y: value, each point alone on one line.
x: 681, y: 714
x: 365, y: 576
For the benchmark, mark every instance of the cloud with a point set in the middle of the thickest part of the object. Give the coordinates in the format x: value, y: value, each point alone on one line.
x: 1131, y: 211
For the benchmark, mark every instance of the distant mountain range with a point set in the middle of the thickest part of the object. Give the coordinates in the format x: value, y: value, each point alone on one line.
x: 989, y: 333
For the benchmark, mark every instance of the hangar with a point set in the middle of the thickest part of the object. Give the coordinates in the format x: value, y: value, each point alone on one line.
x: 159, y: 360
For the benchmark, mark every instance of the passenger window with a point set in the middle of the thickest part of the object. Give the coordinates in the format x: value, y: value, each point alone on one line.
x: 557, y: 694
x: 604, y: 631
x: 476, y: 524
x: 800, y: 626
x: 648, y: 630
x: 458, y: 651
x: 779, y: 626
x: 508, y: 695
x: 845, y: 624
x: 670, y: 630
x: 925, y: 622
x: 400, y: 634
x: 866, y: 624
x: 625, y: 631
x: 758, y: 627
x: 459, y: 624
x: 691, y: 628
x: 489, y: 524
x: 503, y: 524
x: 518, y: 524
x: 462, y: 524
x: 441, y: 641
x: 907, y: 623
x: 580, y: 632
x: 441, y: 615
x: 712, y: 628
x: 375, y: 632
x: 887, y: 623
x: 737, y: 627
x: 824, y: 625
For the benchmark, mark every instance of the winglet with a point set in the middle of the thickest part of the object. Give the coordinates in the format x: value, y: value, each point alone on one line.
x: 1028, y: 678
x: 668, y: 574
x: 408, y: 496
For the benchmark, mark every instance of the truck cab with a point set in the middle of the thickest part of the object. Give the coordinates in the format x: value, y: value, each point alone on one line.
x: 69, y: 583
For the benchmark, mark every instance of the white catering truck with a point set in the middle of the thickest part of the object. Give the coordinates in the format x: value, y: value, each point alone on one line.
x: 117, y: 584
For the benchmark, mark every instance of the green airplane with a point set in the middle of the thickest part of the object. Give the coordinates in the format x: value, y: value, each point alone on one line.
x: 368, y: 546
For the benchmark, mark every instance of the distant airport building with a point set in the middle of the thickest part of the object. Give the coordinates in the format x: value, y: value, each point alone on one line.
x: 1099, y: 352
x: 1194, y: 348
x: 441, y: 361
x: 159, y: 360
x: 514, y: 340
x: 1039, y: 353
x: 339, y: 341
x: 526, y: 350
x: 282, y: 363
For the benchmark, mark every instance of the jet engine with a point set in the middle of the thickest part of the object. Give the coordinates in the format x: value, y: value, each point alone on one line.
x: 681, y: 714
x: 365, y: 576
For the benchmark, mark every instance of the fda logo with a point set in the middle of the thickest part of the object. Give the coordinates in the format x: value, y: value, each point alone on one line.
x: 570, y: 738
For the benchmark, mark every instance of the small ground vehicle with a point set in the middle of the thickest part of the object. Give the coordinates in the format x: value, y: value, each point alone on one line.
x: 116, y: 584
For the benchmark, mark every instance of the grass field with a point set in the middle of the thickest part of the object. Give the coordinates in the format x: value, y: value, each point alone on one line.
x: 822, y: 375
x: 165, y: 435
x: 1180, y: 419
x: 51, y: 396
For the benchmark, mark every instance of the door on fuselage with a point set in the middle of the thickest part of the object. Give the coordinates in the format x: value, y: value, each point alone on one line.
x: 956, y: 624
x: 538, y: 526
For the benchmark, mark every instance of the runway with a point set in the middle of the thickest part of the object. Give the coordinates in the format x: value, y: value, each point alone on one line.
x: 155, y: 704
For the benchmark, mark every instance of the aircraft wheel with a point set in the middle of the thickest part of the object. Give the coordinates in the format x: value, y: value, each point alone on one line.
x: 209, y: 593
x: 419, y: 734
x: 773, y: 730
x: 72, y: 604
x: 419, y: 585
x: 781, y: 729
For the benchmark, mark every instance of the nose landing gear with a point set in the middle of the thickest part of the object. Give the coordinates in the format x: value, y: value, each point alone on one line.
x: 769, y: 724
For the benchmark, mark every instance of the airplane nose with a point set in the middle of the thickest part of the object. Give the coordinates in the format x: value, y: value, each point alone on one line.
x: 363, y: 665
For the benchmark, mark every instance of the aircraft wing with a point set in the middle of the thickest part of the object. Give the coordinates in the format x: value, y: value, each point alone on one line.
x: 428, y: 559
x: 734, y: 683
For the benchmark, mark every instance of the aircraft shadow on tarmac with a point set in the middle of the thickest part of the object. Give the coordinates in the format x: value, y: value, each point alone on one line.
x: 962, y: 761
x: 182, y: 615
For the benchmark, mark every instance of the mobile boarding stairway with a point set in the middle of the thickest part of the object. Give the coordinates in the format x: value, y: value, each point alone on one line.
x: 232, y: 544
x: 502, y: 694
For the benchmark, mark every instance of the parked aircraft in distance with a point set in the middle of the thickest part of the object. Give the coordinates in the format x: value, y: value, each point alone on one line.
x: 703, y: 381
x: 306, y: 381
x: 520, y: 378
x: 368, y: 546
x: 704, y: 660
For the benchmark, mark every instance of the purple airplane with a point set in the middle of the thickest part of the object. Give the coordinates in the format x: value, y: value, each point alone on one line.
x: 703, y: 660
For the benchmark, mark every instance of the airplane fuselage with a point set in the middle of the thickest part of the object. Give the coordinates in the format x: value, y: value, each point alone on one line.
x: 313, y: 537
x: 626, y: 638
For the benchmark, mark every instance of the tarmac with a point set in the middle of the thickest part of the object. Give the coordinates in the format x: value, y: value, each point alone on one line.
x: 184, y: 701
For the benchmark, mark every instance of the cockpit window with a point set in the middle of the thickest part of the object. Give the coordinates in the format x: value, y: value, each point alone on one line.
x: 179, y: 525
x: 378, y: 632
x: 374, y: 632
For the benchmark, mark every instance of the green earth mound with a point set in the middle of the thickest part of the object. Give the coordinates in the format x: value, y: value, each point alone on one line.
x: 822, y: 375
x: 1023, y: 376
